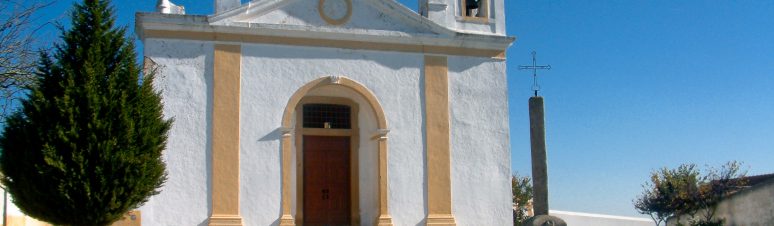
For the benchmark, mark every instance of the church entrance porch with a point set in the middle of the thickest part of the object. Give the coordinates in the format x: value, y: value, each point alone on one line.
x: 326, y: 181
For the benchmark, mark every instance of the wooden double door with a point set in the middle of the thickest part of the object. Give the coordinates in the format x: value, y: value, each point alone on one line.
x: 327, y: 180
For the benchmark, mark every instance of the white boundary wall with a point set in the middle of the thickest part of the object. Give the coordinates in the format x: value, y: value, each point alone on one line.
x: 750, y: 207
x: 589, y: 219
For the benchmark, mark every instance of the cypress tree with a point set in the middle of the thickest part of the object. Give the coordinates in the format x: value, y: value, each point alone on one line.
x: 86, y: 146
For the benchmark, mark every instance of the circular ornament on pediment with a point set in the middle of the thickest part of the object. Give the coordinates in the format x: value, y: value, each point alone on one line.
x: 335, y: 12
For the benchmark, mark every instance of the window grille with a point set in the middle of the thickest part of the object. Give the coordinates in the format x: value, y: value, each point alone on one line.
x: 329, y: 116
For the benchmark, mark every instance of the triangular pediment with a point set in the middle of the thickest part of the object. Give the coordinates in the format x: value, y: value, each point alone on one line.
x: 344, y: 15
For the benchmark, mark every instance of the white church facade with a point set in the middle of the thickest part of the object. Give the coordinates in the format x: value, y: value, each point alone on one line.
x: 332, y: 112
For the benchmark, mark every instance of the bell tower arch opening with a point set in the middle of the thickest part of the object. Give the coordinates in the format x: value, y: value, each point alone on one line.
x: 474, y: 8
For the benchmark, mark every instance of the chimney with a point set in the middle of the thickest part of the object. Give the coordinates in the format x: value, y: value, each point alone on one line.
x: 226, y: 5
x: 167, y: 7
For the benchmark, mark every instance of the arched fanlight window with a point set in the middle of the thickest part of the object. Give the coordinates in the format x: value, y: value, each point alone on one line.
x: 328, y: 116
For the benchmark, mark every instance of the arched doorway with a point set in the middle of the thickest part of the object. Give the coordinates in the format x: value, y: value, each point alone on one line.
x: 295, y: 135
x: 327, y: 172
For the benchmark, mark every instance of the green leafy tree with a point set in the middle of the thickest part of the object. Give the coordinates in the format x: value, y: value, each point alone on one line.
x: 86, y: 146
x: 685, y: 191
x: 669, y: 193
x: 521, y: 187
x: 717, y: 183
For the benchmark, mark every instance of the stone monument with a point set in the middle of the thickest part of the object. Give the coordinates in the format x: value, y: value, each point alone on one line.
x: 539, y: 163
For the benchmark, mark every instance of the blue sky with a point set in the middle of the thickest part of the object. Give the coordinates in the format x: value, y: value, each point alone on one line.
x: 635, y: 86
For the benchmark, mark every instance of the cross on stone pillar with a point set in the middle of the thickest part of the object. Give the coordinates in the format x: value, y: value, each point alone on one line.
x: 534, y: 67
x: 537, y: 131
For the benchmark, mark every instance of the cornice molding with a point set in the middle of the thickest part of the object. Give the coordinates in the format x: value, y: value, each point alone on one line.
x: 151, y: 25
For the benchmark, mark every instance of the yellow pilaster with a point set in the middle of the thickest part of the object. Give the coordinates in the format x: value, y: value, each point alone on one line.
x: 225, y: 135
x: 384, y: 216
x: 287, y: 141
x: 439, y: 197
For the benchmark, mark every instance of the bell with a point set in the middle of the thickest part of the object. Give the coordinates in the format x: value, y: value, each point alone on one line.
x: 472, y: 4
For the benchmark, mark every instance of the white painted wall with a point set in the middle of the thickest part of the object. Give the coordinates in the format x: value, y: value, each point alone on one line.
x: 183, y: 80
x: 481, y: 166
x: 588, y: 219
x: 750, y: 207
x: 271, y: 74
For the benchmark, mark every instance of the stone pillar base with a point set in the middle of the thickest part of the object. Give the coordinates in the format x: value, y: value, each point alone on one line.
x: 544, y: 220
x: 225, y: 220
x: 385, y: 220
x: 441, y: 220
x: 287, y: 220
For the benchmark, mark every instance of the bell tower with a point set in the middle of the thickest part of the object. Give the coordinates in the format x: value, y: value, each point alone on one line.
x: 472, y: 16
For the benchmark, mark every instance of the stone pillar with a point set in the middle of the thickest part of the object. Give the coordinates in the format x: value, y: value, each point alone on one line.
x: 537, y: 131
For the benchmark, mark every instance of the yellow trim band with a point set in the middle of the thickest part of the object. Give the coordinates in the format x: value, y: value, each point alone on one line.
x: 317, y: 42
